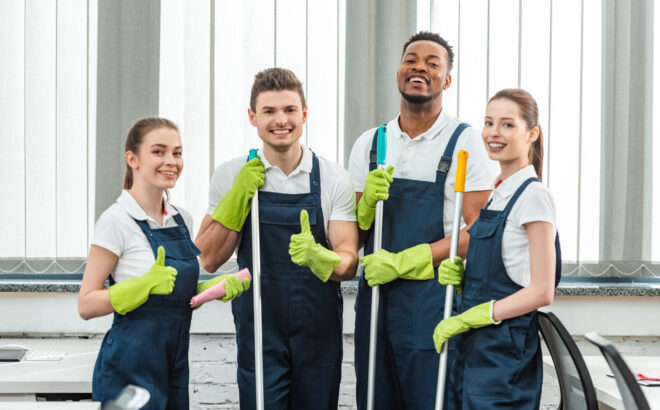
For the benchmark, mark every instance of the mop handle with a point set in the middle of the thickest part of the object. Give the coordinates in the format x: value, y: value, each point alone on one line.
x: 256, y: 295
x: 381, y: 151
x: 459, y: 188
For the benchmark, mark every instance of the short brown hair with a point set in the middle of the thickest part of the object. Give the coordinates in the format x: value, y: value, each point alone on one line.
x: 275, y: 79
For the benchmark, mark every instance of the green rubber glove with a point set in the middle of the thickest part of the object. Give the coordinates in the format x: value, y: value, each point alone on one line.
x: 233, y: 286
x: 305, y: 251
x: 128, y: 295
x: 452, y: 273
x: 376, y: 188
x: 414, y: 263
x: 473, y: 318
x: 234, y: 207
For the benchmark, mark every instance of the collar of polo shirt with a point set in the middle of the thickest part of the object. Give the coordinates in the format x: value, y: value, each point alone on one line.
x: 509, y: 186
x: 432, y: 133
x: 130, y: 205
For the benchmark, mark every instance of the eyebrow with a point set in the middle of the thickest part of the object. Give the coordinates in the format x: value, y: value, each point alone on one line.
x: 503, y: 118
x: 164, y: 146
x: 267, y: 107
x: 412, y: 53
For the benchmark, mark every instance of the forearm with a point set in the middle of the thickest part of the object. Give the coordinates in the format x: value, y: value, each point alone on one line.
x: 216, y: 242
x: 523, y: 301
x: 93, y: 304
x: 347, y: 269
x: 440, y: 249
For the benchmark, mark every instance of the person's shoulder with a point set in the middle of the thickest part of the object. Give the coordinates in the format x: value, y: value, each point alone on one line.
x: 366, y: 137
x: 229, y: 168
x: 330, y: 167
x: 114, y: 214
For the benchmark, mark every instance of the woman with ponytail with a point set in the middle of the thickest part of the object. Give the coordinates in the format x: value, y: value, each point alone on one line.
x: 144, y: 245
x: 513, y: 266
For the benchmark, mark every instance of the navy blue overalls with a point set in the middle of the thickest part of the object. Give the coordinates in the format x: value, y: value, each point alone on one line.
x: 406, y: 360
x: 301, y: 316
x: 148, y: 347
x: 503, y: 368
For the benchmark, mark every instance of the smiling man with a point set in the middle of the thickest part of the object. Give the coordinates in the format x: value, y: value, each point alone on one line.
x: 417, y: 187
x: 308, y: 239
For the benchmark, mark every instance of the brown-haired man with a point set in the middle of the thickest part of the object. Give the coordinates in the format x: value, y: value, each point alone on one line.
x: 308, y: 241
x: 422, y: 147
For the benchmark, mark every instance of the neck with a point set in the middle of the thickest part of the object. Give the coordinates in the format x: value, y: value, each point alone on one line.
x: 150, y: 200
x: 416, y: 119
x: 287, y: 160
x: 508, y: 168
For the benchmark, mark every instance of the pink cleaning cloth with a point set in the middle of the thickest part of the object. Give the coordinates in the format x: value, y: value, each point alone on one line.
x: 218, y: 290
x: 649, y: 376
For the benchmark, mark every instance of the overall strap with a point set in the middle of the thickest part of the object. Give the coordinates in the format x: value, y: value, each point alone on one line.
x: 517, y: 194
x: 445, y: 161
x: 373, y: 153
x: 315, y: 176
x: 180, y: 222
x: 144, y: 225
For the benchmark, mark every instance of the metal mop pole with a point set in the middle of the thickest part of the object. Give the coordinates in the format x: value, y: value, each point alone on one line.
x: 459, y: 188
x: 375, y: 291
x: 256, y: 295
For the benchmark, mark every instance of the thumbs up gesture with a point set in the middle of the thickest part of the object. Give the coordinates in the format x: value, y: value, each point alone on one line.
x: 162, y: 277
x: 129, y: 294
x: 305, y: 251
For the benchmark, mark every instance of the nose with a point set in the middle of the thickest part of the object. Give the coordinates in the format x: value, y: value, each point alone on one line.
x: 281, y: 118
x: 419, y: 66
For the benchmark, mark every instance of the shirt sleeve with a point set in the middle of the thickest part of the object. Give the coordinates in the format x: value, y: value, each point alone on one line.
x: 106, y: 233
x: 343, y: 197
x: 221, y: 183
x: 535, y: 205
x: 481, y: 170
x: 358, y: 163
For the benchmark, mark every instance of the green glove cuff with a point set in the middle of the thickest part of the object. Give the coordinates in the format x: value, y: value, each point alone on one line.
x: 325, y: 261
x: 365, y: 214
x: 233, y: 209
x: 128, y: 295
x: 417, y: 262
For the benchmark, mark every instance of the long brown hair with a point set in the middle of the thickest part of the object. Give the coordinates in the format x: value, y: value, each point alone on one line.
x: 529, y: 112
x: 136, y: 136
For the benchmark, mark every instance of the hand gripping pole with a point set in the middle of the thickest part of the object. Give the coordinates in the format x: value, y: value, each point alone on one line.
x: 256, y: 294
x: 375, y: 291
x: 459, y: 188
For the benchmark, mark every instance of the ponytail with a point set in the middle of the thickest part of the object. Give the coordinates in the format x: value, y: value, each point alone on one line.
x: 536, y: 154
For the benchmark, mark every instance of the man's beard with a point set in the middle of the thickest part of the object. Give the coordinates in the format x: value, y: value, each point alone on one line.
x: 418, y: 99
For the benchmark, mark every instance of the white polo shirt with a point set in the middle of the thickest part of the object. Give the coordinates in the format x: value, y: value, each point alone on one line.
x: 418, y: 158
x: 117, y: 231
x: 337, y: 193
x: 534, y: 204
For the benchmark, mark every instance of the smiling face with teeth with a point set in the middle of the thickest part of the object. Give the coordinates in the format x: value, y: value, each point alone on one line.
x: 279, y: 117
x: 506, y: 136
x: 424, y: 73
x: 159, y: 160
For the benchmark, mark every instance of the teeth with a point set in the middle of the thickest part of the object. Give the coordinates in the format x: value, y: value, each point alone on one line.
x: 417, y: 80
x: 495, y: 145
x: 280, y: 132
x: 168, y: 172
